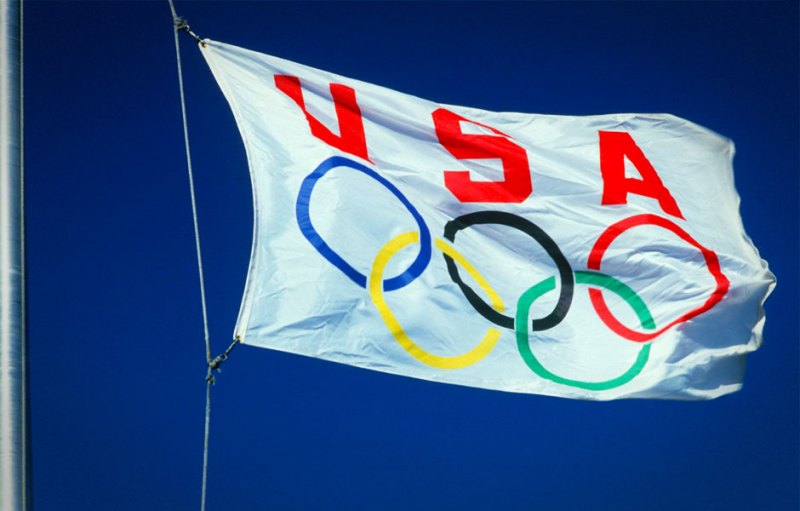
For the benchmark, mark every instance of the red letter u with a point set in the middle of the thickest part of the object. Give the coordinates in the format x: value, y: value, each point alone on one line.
x: 351, y: 138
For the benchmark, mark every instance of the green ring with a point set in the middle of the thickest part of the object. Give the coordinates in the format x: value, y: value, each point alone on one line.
x: 592, y: 279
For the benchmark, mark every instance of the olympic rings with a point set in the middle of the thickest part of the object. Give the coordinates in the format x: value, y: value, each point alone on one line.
x: 592, y: 279
x: 596, y: 258
x: 534, y: 231
x: 306, y: 227
x: 376, y: 277
x: 493, y: 309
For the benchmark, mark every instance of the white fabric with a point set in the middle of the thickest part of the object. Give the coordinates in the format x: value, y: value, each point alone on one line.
x: 296, y: 300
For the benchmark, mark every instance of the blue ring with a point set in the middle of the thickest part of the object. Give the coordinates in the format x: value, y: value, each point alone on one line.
x: 304, y: 221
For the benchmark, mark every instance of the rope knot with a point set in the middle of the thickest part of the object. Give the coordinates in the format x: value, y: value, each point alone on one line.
x: 214, y: 365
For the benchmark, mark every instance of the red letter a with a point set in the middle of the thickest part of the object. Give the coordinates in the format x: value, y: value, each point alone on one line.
x: 351, y: 138
x: 615, y: 146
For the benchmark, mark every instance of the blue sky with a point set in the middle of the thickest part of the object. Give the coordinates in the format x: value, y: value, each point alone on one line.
x: 115, y: 329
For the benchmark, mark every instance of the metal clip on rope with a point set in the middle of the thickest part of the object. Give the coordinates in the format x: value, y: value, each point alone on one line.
x: 215, y: 363
x: 181, y: 25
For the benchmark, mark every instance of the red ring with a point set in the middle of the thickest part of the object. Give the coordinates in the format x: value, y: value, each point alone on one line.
x: 596, y: 257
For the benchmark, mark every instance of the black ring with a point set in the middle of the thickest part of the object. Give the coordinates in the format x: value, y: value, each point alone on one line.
x: 541, y: 237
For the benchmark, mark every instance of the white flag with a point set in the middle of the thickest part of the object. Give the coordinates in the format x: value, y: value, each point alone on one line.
x: 591, y: 257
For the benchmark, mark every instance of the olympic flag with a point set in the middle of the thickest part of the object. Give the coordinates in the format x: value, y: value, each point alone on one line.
x: 593, y: 257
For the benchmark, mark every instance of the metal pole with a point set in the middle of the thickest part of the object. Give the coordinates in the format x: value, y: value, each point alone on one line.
x: 14, y: 438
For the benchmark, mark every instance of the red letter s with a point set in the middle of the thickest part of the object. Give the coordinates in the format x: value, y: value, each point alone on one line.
x: 516, y: 185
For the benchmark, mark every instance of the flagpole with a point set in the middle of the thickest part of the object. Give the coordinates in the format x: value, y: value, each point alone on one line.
x: 14, y: 437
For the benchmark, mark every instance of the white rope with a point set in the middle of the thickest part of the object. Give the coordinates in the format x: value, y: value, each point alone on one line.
x: 180, y: 24
x: 191, y: 189
x: 209, y: 383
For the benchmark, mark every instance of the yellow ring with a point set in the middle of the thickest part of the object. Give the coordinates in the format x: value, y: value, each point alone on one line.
x: 376, y: 293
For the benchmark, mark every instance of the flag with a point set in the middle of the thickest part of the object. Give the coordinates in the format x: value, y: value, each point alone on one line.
x: 593, y: 257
